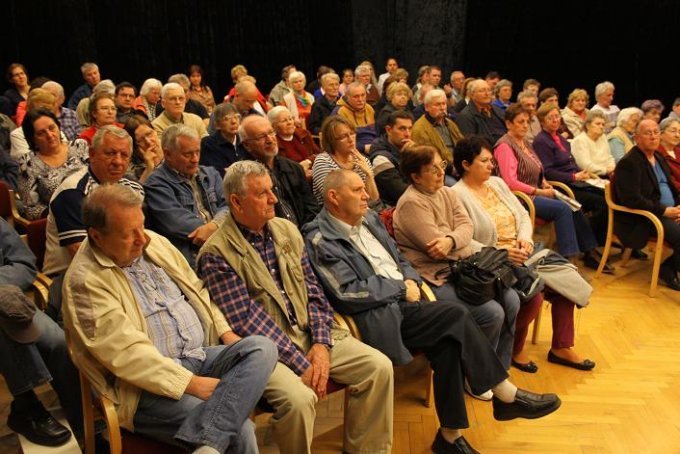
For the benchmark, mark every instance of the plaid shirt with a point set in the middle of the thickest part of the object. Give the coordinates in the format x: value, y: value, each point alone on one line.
x: 247, y: 316
x: 69, y: 124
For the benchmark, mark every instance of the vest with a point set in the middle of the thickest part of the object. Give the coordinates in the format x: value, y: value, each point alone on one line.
x: 529, y: 169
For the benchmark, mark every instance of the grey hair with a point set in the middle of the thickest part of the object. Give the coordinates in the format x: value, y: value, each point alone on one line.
x: 54, y: 85
x: 224, y: 109
x: 88, y: 66
x: 592, y: 115
x: 652, y: 104
x: 602, y: 87
x: 327, y: 76
x: 169, y: 138
x: 273, y: 114
x: 354, y: 85
x: 526, y: 94
x: 235, y: 176
x: 362, y: 69
x: 115, y: 131
x: 335, y: 179
x: 296, y: 75
x: 501, y: 83
x: 170, y: 86
x: 432, y: 94
x: 104, y: 86
x: 100, y: 200
x: 666, y: 122
x: 472, y: 86
x: 626, y: 113
x: 242, y: 86
x: 180, y: 78
x: 150, y: 84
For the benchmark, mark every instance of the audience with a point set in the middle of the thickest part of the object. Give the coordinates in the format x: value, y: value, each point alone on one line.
x: 67, y: 117
x: 398, y: 96
x: 604, y: 95
x: 124, y: 98
x: 668, y: 147
x: 362, y: 75
x: 574, y: 115
x: 591, y: 149
x: 480, y: 117
x: 38, y: 98
x: 298, y: 101
x: 223, y: 147
x: 18, y: 92
x: 91, y: 76
x: 281, y: 88
x: 354, y: 108
x: 199, y: 90
x: 149, y: 97
x: 324, y: 105
x: 102, y: 110
x: 173, y: 100
x: 621, y: 138
x: 146, y: 145
x: 502, y: 93
x: 294, y: 142
x: 529, y: 101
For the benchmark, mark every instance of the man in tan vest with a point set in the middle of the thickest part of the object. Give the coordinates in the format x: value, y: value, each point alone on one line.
x: 258, y: 272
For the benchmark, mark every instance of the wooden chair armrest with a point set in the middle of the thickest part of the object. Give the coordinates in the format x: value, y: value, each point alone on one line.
x: 41, y: 290
x: 112, y: 425
x: 563, y: 188
x: 18, y: 218
x: 426, y: 292
x: 528, y: 203
x: 347, y: 322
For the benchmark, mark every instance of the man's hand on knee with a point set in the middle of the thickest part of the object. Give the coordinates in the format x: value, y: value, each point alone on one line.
x: 201, y: 387
x: 316, y: 376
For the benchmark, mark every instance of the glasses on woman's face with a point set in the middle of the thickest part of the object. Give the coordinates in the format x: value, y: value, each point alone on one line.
x: 232, y: 117
x: 437, y: 169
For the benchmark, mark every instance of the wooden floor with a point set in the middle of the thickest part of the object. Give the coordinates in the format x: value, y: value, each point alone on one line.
x: 630, y: 403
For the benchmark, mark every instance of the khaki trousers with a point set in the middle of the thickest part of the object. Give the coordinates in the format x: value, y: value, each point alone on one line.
x: 370, y: 378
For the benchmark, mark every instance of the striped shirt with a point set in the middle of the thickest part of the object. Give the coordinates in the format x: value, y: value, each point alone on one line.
x: 325, y: 164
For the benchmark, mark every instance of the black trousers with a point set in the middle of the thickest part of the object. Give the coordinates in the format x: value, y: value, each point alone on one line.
x: 592, y: 200
x: 457, y: 348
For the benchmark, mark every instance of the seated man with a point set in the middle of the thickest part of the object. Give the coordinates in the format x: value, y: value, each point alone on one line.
x: 354, y: 108
x: 32, y: 351
x: 643, y: 181
x: 90, y: 72
x: 324, y: 105
x: 385, y: 158
x: 124, y: 98
x: 480, y: 117
x: 295, y: 200
x: 192, y: 105
x: 257, y: 271
x: 174, y: 101
x: 144, y: 331
x: 184, y: 200
x: 245, y: 99
x: 364, y: 275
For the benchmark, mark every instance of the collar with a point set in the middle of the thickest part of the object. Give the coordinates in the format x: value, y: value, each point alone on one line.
x: 344, y: 228
x: 432, y: 121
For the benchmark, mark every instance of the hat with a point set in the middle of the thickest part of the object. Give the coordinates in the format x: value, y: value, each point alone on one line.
x: 16, y: 315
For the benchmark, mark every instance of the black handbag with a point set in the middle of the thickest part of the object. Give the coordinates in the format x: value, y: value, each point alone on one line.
x: 482, y: 276
x: 528, y: 284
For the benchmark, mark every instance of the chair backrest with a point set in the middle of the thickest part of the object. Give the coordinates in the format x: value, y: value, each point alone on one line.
x: 6, y: 195
x: 386, y: 216
x: 36, y: 233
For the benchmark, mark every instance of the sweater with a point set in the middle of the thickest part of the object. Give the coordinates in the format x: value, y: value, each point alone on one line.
x: 592, y: 156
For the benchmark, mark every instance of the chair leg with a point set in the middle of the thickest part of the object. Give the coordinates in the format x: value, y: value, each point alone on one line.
x: 658, y: 251
x: 344, y: 420
x: 626, y: 257
x: 88, y: 414
x: 429, y: 393
x: 605, y: 256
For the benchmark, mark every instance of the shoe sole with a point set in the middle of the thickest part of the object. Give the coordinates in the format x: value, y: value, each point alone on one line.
x: 546, y: 411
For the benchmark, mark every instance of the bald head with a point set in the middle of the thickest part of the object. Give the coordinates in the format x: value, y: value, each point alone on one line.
x: 648, y: 136
x: 345, y: 196
x: 258, y: 137
x: 245, y: 97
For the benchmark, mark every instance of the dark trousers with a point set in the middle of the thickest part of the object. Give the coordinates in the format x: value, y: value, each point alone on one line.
x: 671, y: 235
x: 593, y: 202
x: 457, y: 349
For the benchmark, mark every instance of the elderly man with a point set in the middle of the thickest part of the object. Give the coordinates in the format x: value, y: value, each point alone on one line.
x: 436, y: 129
x: 184, y: 200
x: 604, y: 95
x: 364, y: 274
x: 109, y: 161
x: 144, y: 331
x: 362, y: 74
x: 173, y: 100
x: 480, y: 117
x: 454, y: 89
x: 354, y: 108
x: 281, y: 89
x: 322, y: 107
x: 643, y: 181
x: 385, y: 156
x: 191, y: 106
x: 124, y: 98
x: 529, y: 101
x: 67, y: 117
x: 295, y: 201
x: 32, y: 351
x: 90, y: 72
x: 257, y: 271
x: 245, y: 99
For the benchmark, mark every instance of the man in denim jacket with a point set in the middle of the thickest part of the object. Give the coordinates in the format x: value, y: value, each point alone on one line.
x: 185, y: 201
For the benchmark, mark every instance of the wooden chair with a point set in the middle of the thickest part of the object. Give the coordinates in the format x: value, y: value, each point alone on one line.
x: 614, y: 207
x: 8, y: 207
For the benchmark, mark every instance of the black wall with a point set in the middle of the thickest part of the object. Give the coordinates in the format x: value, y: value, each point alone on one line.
x: 563, y: 44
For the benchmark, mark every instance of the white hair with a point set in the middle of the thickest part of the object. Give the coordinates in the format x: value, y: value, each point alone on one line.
x: 433, y: 94
x: 170, y: 86
x: 296, y: 75
x: 626, y: 113
x: 150, y: 84
x: 603, y: 87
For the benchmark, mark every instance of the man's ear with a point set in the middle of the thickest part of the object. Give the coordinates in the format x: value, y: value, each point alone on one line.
x: 235, y: 203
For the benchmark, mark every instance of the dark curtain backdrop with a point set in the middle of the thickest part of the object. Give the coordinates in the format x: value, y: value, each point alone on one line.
x: 563, y: 45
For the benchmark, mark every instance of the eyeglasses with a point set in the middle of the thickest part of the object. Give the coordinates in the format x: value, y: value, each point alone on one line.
x: 672, y: 130
x: 436, y: 169
x: 271, y: 134
x: 233, y: 117
x: 654, y: 133
x: 107, y: 108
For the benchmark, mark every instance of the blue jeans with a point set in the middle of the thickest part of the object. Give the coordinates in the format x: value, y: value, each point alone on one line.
x: 496, y: 319
x: 220, y: 422
x: 572, y: 229
x: 26, y: 366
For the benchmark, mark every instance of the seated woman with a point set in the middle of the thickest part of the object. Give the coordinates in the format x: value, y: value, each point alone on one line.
x: 198, y: 90
x: 48, y: 164
x: 338, y: 141
x: 652, y: 109
x: 347, y: 78
x: 554, y: 151
x: 621, y: 138
x: 574, y: 115
x: 223, y: 147
x: 591, y: 149
x: 522, y: 171
x: 147, y: 153
x: 298, y: 101
x: 670, y: 138
x: 149, y: 97
x: 500, y: 221
x: 432, y: 227
x: 102, y: 111
x: 398, y: 95
x: 502, y: 93
x: 294, y: 143
x: 17, y: 76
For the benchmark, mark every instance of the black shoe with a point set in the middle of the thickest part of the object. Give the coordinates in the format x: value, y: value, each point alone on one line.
x: 639, y: 254
x: 41, y: 429
x: 526, y: 405
x: 529, y: 367
x: 669, y: 277
x: 586, y: 364
x: 460, y: 446
x: 592, y: 261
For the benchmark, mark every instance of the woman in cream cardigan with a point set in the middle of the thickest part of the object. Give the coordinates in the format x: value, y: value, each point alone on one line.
x: 591, y: 149
x: 499, y: 220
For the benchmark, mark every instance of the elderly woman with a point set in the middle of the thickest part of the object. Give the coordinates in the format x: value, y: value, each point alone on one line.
x: 521, y: 169
x: 503, y: 93
x: 621, y: 138
x: 574, y: 115
x: 364, y: 74
x: 652, y: 109
x: 668, y: 147
x: 591, y: 149
x: 398, y: 95
x: 198, y: 90
x: 50, y: 161
x: 102, y: 111
x: 499, y: 220
x: 149, y: 96
x: 554, y: 152
x: 294, y: 143
x: 147, y: 152
x: 298, y: 101
x: 106, y: 86
x: 18, y: 92
x: 338, y: 141
x: 431, y: 227
x: 223, y: 147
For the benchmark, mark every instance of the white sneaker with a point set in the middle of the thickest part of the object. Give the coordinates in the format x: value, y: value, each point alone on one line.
x: 485, y: 396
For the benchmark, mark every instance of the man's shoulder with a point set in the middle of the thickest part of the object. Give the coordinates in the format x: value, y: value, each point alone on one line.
x: 77, y: 181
